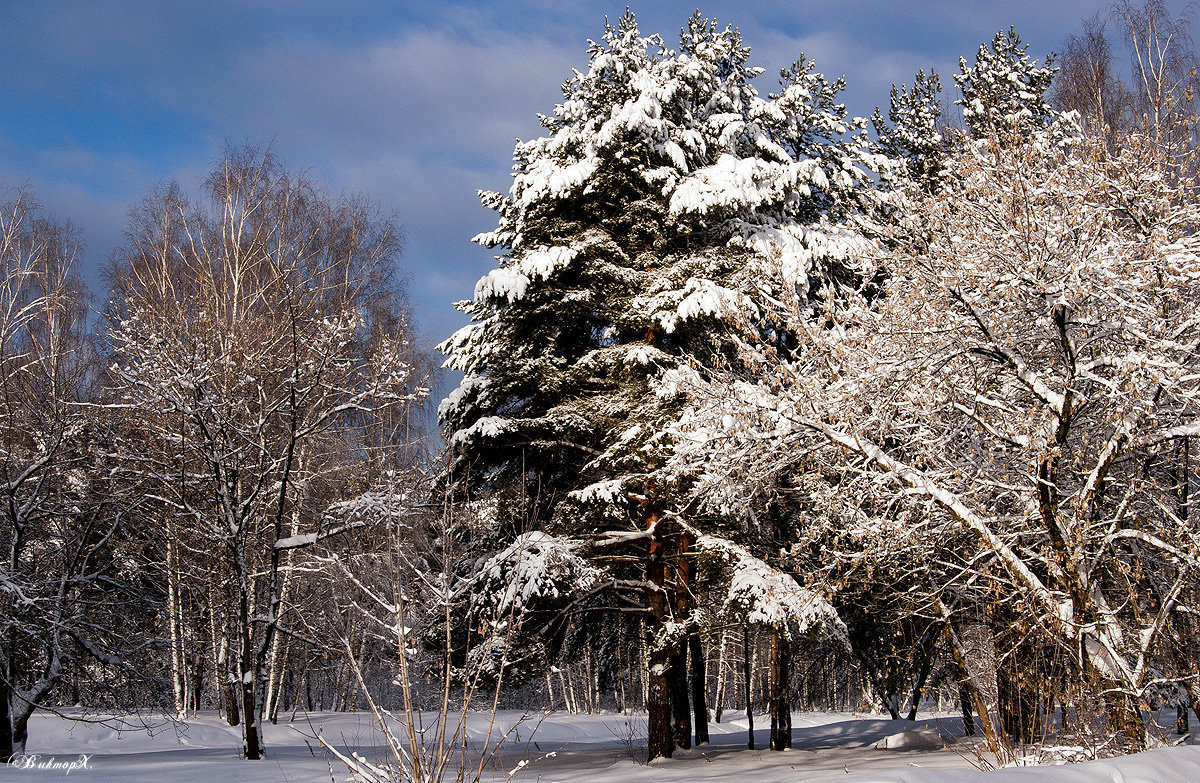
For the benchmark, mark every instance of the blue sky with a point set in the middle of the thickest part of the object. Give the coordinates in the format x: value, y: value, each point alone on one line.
x: 413, y: 104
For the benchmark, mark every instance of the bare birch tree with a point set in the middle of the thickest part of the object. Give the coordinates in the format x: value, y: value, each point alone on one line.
x: 252, y: 335
x: 58, y: 572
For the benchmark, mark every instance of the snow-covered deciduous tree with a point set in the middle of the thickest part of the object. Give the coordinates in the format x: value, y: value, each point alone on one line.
x: 61, y: 576
x: 254, y: 338
x: 664, y: 190
x: 1029, y: 375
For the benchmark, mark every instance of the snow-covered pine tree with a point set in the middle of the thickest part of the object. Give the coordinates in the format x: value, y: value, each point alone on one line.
x: 912, y: 133
x: 635, y: 233
x: 1005, y: 91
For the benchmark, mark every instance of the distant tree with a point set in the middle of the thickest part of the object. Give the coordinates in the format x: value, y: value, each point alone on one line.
x: 1004, y: 92
x: 1165, y: 73
x: 913, y: 132
x: 1088, y: 83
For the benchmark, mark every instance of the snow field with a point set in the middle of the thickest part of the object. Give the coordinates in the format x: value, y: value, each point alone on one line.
x: 566, y: 748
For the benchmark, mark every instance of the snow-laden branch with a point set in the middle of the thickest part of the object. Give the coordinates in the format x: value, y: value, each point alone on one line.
x: 956, y: 508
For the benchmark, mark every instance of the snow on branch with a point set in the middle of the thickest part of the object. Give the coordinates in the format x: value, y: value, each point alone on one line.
x: 536, y: 567
x: 762, y: 594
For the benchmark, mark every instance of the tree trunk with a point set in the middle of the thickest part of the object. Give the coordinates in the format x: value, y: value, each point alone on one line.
x: 27, y: 702
x: 780, y: 704
x: 779, y: 701
x: 252, y: 743
x: 918, y: 688
x: 644, y: 664
x: 588, y: 689
x: 968, y: 682
x: 222, y: 665
x: 746, y: 670
x: 889, y: 704
x: 195, y: 681
x: 659, y: 740
x: 680, y: 707
x: 1125, y: 717
x: 876, y: 681
x: 1184, y: 484
x: 277, y: 660
x: 233, y: 715
x: 699, y: 670
x: 279, y: 669
x: 20, y: 731
x: 248, y: 677
x: 622, y: 673
x: 926, y: 647
x: 719, y: 698
x: 1018, y: 695
x: 677, y: 675
x: 568, y: 692
x: 6, y: 729
x: 964, y: 699
x: 174, y: 627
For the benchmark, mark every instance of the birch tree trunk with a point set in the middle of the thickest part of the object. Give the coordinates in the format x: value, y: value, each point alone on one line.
x: 174, y: 622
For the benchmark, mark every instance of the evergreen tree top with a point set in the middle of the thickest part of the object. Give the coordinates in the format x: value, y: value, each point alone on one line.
x: 912, y: 133
x: 1005, y: 91
x: 634, y: 234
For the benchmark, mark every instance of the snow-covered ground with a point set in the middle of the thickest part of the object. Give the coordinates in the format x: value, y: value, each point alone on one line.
x: 565, y: 748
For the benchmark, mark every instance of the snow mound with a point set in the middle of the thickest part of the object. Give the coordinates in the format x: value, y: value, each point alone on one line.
x: 911, y: 740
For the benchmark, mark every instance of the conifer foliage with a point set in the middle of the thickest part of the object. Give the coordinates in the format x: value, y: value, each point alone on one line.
x: 636, y: 232
x: 629, y: 230
x: 912, y: 133
x: 1005, y: 89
